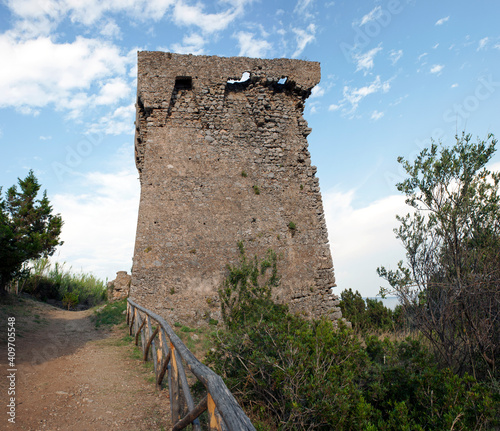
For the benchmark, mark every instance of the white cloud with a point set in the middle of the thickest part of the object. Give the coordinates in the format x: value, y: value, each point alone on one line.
x: 482, y: 43
x: 317, y: 91
x: 334, y: 107
x: 301, y: 6
x: 442, y: 20
x: 421, y: 56
x: 437, y: 68
x: 113, y: 91
x: 494, y: 167
x: 395, y: 56
x: 303, y: 37
x: 371, y: 16
x: 120, y: 121
x: 362, y: 239
x: 111, y: 30
x: 38, y: 17
x: 454, y: 85
x: 100, y: 223
x: 250, y: 46
x: 187, y: 15
x: 353, y: 96
x: 42, y: 72
x: 87, y: 12
x: 376, y: 115
x: 365, y: 61
x: 191, y: 44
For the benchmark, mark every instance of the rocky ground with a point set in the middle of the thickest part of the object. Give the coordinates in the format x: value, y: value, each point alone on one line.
x: 71, y: 376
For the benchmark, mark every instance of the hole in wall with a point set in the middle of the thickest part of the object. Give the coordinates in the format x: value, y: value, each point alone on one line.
x: 244, y: 78
x: 240, y: 84
x: 282, y: 81
x: 184, y: 83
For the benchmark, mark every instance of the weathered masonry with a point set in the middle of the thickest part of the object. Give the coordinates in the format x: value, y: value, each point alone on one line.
x: 221, y: 149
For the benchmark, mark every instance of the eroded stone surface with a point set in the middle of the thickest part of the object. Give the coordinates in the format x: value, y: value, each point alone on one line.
x: 221, y: 162
x: 119, y: 288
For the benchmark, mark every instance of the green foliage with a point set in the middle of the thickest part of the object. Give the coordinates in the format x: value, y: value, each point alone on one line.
x: 110, y: 314
x: 406, y: 387
x: 245, y: 291
x: 70, y: 300
x: 297, y: 374
x: 244, y: 174
x: 369, y: 316
x: 46, y: 281
x: 450, y: 285
x: 256, y: 189
x: 28, y: 230
x: 292, y: 226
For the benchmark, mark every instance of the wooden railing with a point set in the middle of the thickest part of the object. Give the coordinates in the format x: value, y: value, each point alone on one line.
x: 168, y: 353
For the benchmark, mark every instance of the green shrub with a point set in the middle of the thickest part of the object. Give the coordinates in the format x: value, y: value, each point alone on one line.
x: 404, y: 385
x: 70, y: 300
x: 47, y: 281
x: 300, y: 374
x: 366, y: 316
x: 246, y: 291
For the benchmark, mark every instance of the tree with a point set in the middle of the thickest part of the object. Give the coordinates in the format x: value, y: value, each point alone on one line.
x: 28, y: 229
x: 451, y: 281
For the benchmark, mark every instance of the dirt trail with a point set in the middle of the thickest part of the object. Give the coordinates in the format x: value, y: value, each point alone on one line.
x: 71, y: 376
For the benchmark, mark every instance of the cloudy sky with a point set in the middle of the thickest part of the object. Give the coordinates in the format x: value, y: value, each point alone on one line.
x: 395, y: 74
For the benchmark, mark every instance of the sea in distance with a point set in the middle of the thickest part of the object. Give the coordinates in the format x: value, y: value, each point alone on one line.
x: 390, y: 301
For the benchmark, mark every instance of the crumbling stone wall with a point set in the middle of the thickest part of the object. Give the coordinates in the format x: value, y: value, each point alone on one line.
x: 119, y: 288
x: 219, y: 162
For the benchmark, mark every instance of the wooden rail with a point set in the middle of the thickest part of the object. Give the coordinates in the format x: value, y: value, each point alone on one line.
x: 168, y: 353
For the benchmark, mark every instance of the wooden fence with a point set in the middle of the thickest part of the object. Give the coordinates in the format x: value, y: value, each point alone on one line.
x: 169, y: 353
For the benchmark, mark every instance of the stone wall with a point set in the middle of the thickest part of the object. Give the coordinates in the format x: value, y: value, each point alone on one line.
x: 221, y: 162
x: 119, y: 288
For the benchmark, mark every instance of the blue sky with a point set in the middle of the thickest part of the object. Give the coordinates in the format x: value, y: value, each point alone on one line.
x: 394, y: 75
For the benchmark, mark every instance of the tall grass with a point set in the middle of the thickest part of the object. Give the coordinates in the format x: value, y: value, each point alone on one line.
x: 52, y: 281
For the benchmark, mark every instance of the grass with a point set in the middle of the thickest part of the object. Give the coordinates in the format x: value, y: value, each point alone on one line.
x: 110, y: 314
x: 197, y: 340
x: 53, y: 281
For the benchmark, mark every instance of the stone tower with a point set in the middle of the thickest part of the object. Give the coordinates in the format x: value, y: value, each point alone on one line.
x: 221, y: 150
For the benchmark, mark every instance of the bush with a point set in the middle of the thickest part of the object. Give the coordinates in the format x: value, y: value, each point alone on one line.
x: 299, y: 374
x: 46, y: 281
x: 405, y: 386
x: 70, y: 300
x: 369, y: 316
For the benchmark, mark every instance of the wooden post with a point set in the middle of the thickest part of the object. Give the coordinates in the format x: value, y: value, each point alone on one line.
x: 214, y: 419
x: 139, y: 325
x: 174, y: 386
x: 185, y: 390
x: 131, y: 326
x: 165, y: 351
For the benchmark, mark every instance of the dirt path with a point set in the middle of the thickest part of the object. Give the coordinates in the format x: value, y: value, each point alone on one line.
x: 71, y: 376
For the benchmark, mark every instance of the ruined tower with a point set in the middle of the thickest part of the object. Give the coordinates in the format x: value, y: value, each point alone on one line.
x: 221, y: 150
